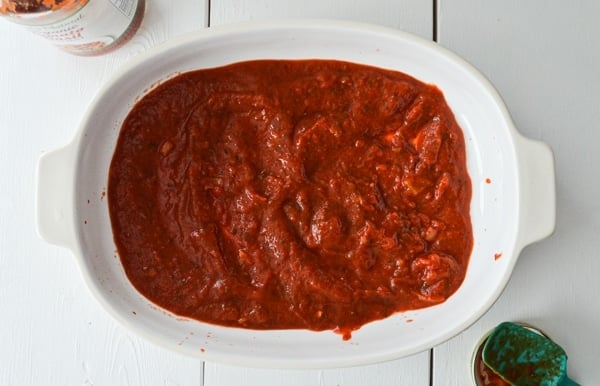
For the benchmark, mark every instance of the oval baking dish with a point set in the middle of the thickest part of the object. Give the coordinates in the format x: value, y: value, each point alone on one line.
x: 513, y: 199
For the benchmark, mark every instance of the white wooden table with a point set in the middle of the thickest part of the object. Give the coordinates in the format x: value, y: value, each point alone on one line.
x: 542, y: 55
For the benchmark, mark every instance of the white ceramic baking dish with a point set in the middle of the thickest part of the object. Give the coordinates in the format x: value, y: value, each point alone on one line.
x: 513, y: 200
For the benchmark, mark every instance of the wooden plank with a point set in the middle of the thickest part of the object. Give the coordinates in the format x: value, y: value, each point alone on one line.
x: 411, y: 371
x: 543, y: 57
x: 415, y: 16
x: 52, y: 331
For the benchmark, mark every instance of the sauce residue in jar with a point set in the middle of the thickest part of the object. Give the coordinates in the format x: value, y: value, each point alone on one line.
x: 308, y: 194
x: 33, y: 6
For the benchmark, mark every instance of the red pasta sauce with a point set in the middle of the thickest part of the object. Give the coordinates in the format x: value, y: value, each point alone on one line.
x: 309, y: 194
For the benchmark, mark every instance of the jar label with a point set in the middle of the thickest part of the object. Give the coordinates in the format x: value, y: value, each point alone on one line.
x: 96, y: 25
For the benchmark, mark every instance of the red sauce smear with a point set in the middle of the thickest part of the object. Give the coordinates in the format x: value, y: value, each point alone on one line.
x: 484, y: 376
x: 309, y: 194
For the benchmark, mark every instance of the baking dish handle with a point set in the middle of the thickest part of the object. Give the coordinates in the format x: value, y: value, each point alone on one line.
x: 537, y: 189
x: 54, y: 199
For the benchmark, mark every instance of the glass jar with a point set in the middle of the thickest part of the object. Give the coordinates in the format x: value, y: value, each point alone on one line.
x: 80, y: 27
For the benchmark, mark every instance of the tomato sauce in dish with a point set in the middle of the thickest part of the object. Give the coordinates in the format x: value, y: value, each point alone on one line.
x: 309, y: 194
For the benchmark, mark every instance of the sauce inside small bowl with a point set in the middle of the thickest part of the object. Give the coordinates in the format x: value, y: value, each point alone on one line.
x: 482, y: 374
